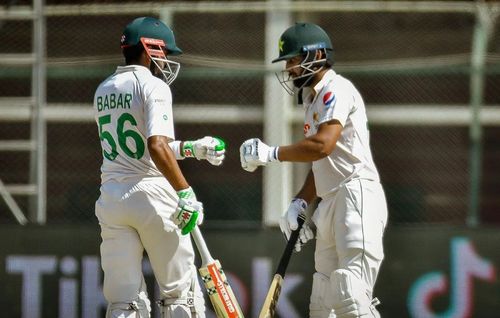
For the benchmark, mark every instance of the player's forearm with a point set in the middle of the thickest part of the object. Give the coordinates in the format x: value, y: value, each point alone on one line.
x: 308, y: 190
x: 314, y: 147
x: 165, y: 160
x: 306, y: 150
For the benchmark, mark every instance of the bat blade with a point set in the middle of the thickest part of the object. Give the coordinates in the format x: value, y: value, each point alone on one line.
x: 271, y: 301
x: 269, y: 307
x: 218, y: 289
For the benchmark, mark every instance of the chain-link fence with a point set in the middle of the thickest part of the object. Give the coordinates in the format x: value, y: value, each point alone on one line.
x: 412, y: 65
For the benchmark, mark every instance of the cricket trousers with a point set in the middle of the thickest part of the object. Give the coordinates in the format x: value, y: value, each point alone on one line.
x: 350, y: 225
x: 135, y: 217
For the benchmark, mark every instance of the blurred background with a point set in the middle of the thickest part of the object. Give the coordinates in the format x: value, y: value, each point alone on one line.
x: 429, y: 73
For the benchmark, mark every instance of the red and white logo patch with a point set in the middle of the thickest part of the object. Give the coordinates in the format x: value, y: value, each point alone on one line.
x: 328, y: 99
x: 306, y: 128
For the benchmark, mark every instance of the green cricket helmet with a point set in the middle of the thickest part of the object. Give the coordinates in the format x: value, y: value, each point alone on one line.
x: 158, y: 41
x: 148, y: 27
x: 303, y: 39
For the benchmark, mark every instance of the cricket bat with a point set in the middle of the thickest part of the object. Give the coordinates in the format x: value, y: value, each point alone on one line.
x: 220, y: 293
x: 269, y: 307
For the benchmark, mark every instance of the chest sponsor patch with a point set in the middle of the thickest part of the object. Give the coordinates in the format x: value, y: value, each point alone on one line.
x: 328, y: 99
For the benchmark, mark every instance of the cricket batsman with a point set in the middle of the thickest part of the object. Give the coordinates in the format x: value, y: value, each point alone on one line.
x: 146, y: 204
x: 352, y: 213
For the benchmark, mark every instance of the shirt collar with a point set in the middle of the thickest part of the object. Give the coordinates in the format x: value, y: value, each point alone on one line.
x: 307, y: 92
x: 131, y: 68
x: 327, y: 77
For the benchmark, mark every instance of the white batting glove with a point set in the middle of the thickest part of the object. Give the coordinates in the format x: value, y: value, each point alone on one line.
x: 207, y: 148
x: 254, y: 153
x: 189, y: 212
x: 288, y: 223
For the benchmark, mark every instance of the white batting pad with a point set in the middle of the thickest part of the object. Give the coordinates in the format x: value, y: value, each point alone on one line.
x: 137, y: 309
x: 351, y: 297
x: 321, y: 293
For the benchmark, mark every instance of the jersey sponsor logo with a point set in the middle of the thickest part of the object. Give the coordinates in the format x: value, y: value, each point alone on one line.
x: 328, y: 99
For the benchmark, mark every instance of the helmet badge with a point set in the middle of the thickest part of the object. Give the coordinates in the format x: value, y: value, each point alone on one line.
x: 280, y: 45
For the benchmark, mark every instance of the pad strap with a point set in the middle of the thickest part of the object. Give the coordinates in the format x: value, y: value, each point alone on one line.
x: 188, y: 301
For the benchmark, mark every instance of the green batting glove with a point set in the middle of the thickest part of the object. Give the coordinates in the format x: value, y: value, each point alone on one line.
x: 212, y: 149
x: 189, y: 211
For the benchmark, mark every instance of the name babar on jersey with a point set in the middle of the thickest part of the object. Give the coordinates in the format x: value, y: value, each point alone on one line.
x: 113, y: 101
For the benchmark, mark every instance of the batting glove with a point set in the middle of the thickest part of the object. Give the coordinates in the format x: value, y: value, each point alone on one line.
x: 254, y: 153
x: 189, y: 212
x: 207, y: 148
x: 288, y: 223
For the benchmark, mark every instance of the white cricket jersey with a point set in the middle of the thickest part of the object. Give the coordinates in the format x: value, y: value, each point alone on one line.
x: 337, y: 98
x: 130, y: 106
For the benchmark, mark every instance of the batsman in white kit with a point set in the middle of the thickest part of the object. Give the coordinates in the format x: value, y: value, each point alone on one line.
x: 146, y: 202
x: 352, y: 214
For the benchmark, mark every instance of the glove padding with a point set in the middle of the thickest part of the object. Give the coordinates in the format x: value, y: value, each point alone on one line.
x: 254, y: 153
x: 189, y: 211
x: 288, y: 223
x: 207, y: 148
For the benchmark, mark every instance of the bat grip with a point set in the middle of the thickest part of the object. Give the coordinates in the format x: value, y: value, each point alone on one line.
x: 285, y: 259
x: 206, y: 258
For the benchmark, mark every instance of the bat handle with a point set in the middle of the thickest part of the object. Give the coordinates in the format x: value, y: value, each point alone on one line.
x: 287, y: 254
x: 206, y: 258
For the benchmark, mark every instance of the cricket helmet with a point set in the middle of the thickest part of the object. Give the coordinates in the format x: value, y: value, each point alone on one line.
x: 305, y: 40
x: 158, y: 41
x: 302, y: 38
x: 148, y: 27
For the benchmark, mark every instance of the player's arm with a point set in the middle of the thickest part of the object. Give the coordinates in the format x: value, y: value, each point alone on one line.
x: 254, y: 152
x: 308, y: 190
x: 165, y: 160
x: 189, y: 212
x: 314, y: 147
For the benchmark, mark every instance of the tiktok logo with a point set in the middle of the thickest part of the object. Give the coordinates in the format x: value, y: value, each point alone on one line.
x: 466, y: 265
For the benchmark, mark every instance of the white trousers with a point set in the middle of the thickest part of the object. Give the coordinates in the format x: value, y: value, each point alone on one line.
x: 135, y: 217
x: 350, y: 226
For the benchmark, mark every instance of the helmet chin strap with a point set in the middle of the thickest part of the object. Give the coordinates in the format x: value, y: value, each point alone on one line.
x: 302, y: 82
